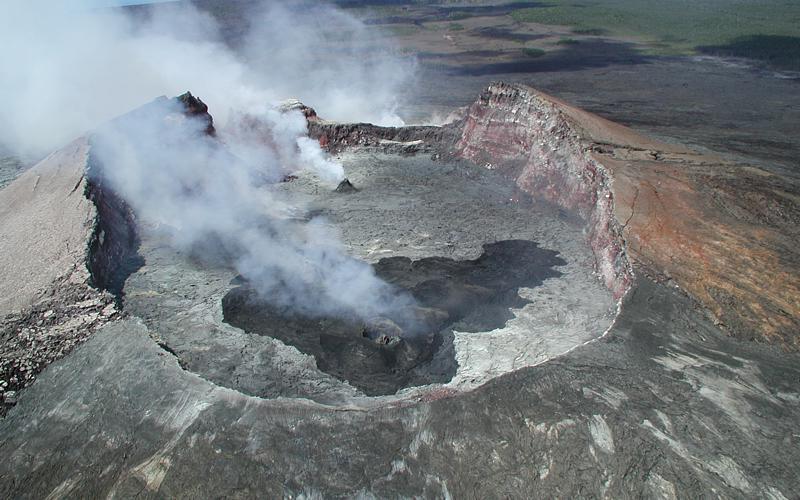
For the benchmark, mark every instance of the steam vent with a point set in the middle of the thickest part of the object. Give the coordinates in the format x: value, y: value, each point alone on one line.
x: 530, y: 301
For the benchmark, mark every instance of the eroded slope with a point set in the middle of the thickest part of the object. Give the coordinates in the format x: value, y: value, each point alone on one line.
x: 47, y: 302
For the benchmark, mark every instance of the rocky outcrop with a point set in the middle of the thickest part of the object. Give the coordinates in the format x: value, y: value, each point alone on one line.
x: 396, y: 140
x: 112, y: 247
x: 289, y: 105
x: 721, y: 231
x: 197, y: 109
x: 69, y: 244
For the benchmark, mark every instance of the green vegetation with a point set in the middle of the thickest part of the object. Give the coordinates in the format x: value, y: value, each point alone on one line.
x: 684, y: 26
x: 533, y: 52
x: 567, y: 41
x: 455, y: 27
x: 400, y: 30
x: 589, y: 31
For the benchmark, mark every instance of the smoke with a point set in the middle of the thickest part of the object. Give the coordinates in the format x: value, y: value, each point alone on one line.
x: 206, y: 199
x: 330, y: 54
x: 65, y: 72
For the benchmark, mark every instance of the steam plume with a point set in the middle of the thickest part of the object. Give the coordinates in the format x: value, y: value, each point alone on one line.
x: 205, y: 198
x: 64, y: 71
x: 70, y: 71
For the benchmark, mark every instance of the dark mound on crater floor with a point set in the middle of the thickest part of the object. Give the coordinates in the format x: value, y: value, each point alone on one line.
x: 470, y: 295
x: 346, y: 187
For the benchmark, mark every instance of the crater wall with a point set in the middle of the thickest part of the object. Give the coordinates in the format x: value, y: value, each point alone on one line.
x: 511, y: 128
x: 63, y: 242
x: 112, y: 246
x: 721, y: 231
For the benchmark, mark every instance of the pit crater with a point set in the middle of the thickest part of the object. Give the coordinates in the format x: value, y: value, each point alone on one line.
x: 477, y: 295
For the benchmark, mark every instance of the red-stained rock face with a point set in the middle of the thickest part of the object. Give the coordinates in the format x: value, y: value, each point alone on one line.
x: 721, y: 231
x: 510, y: 126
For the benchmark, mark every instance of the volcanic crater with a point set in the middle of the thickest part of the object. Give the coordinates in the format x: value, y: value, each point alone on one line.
x: 583, y: 325
x: 380, y: 357
x: 484, y: 263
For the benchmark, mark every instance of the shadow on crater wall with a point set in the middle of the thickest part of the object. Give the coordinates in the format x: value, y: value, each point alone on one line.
x: 470, y: 295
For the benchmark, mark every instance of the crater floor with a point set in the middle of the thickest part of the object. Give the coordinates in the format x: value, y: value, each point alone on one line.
x: 428, y: 226
x: 664, y: 406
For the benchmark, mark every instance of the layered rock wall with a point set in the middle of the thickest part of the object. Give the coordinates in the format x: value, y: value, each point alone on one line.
x: 112, y: 246
x: 401, y: 140
x: 509, y: 127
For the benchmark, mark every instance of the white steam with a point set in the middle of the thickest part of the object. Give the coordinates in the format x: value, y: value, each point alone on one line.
x: 65, y: 72
x: 212, y: 202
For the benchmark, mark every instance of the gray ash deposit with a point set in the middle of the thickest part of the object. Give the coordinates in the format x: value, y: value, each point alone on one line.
x: 447, y: 232
x: 411, y: 347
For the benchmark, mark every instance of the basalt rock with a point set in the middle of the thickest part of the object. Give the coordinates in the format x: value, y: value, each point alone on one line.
x: 196, y: 108
x: 294, y: 105
x: 397, y: 140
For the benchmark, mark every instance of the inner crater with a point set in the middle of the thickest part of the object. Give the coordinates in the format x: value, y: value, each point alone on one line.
x: 380, y: 356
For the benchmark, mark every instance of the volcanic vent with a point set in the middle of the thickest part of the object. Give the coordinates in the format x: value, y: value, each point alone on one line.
x: 275, y: 291
x: 380, y: 356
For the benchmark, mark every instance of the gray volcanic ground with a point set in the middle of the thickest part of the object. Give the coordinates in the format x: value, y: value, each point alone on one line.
x: 421, y: 223
x: 175, y: 401
x: 514, y: 372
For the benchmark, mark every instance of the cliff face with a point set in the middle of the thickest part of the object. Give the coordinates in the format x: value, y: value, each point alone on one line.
x: 721, y: 231
x: 509, y: 127
x: 399, y: 140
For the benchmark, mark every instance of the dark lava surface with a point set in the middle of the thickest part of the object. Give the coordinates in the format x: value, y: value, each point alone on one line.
x: 470, y: 295
x: 663, y: 407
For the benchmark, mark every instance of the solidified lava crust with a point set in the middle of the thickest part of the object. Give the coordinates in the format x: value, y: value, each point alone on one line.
x: 610, y: 418
x: 470, y: 295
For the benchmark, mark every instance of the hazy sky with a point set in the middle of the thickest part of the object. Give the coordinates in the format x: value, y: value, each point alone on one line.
x: 110, y: 3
